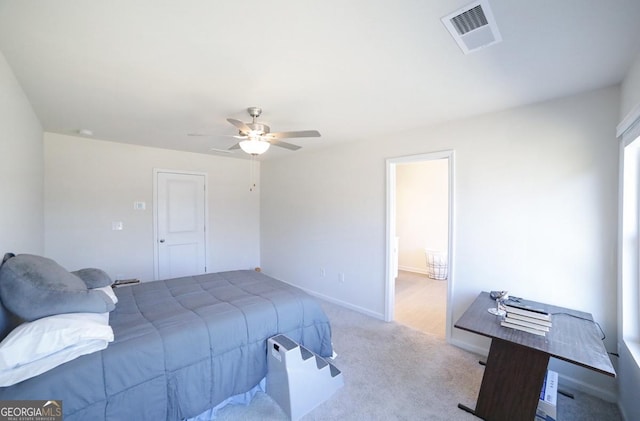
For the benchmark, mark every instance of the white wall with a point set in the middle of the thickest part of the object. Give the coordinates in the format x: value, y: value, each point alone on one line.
x: 91, y: 183
x: 629, y: 372
x: 21, y: 161
x: 422, y: 211
x: 535, y: 211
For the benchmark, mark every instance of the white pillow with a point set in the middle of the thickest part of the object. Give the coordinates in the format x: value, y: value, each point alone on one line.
x: 109, y: 291
x: 38, y: 346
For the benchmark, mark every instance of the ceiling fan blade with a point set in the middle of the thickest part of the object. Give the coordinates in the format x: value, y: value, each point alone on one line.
x: 196, y: 134
x: 285, y: 145
x: 236, y: 146
x: 221, y: 151
x: 200, y: 134
x: 239, y: 125
x: 285, y: 135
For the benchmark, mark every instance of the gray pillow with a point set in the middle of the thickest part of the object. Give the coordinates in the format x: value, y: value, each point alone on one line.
x: 93, y: 278
x: 33, y: 287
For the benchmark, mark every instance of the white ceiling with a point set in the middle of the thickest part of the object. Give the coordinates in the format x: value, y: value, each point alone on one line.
x: 151, y: 71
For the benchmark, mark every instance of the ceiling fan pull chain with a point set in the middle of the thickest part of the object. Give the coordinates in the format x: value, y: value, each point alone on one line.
x: 252, y: 181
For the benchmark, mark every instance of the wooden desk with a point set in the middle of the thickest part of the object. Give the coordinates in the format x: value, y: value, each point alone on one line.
x: 517, y: 361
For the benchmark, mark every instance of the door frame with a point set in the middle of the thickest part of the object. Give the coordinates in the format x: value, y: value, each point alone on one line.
x: 156, y: 240
x: 390, y: 284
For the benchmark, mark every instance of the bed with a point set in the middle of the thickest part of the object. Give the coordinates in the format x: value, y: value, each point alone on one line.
x: 181, y: 346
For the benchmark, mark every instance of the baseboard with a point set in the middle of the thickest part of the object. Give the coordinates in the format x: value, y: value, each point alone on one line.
x: 414, y: 270
x: 483, y: 352
x: 345, y: 304
x: 587, y: 388
x: 341, y: 303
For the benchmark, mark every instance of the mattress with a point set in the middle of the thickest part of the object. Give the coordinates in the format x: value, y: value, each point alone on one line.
x: 181, y: 346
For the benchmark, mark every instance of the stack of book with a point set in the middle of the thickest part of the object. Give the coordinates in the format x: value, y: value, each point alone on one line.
x: 526, y: 317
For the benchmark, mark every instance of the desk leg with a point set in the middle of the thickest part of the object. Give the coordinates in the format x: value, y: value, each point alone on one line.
x: 511, y: 383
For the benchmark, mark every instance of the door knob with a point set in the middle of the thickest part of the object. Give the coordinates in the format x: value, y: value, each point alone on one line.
x: 162, y: 240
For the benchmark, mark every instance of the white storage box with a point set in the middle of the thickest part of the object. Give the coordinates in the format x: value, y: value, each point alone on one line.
x: 297, y: 379
x: 548, y: 403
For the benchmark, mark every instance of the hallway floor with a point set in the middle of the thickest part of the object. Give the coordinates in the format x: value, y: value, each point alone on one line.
x: 421, y: 302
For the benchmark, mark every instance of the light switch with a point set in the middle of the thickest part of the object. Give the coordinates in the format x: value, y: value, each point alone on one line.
x: 117, y: 226
x: 139, y: 205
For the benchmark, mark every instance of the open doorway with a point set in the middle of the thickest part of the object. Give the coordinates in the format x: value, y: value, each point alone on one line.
x: 419, y: 204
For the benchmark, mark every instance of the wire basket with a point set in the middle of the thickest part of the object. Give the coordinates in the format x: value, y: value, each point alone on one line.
x: 437, y: 264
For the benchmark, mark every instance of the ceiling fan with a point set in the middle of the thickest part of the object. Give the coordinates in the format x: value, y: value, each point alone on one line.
x: 257, y: 137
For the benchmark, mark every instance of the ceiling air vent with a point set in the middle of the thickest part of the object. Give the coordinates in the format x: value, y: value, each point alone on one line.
x: 473, y: 27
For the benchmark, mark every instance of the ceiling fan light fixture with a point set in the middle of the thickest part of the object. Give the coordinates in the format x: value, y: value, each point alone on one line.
x: 254, y: 146
x: 257, y: 137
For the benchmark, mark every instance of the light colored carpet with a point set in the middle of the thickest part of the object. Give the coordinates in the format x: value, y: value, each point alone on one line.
x: 394, y: 372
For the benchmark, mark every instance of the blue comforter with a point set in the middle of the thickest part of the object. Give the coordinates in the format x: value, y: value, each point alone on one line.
x: 181, y: 346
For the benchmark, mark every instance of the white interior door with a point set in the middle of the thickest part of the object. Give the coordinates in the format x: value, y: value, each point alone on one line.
x: 180, y: 224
